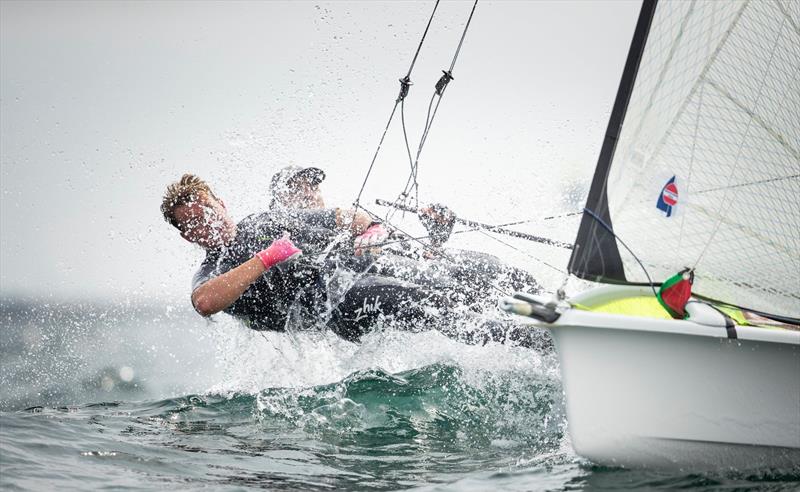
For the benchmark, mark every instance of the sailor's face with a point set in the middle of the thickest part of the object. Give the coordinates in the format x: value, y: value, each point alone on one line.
x: 304, y: 195
x: 205, y: 222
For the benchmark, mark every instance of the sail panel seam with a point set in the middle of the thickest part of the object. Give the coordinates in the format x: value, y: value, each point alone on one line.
x: 737, y: 160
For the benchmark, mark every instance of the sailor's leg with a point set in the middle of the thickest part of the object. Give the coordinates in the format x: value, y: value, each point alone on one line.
x: 477, y: 268
x: 473, y: 330
x: 375, y: 297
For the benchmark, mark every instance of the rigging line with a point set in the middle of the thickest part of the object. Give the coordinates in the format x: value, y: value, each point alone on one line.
x: 403, y: 240
x: 609, y: 229
x: 374, y: 215
x: 750, y: 183
x: 374, y: 157
x: 405, y: 83
x: 485, y: 233
x: 463, y: 35
x: 403, y: 194
x: 412, y: 178
x: 440, y: 87
x: 487, y: 227
x: 737, y: 160
x: 405, y: 134
x: 472, y: 223
x: 415, y: 164
x: 422, y: 40
x: 410, y: 239
x: 428, y: 123
x: 441, y: 253
x: 551, y: 217
x: 442, y: 84
x: 473, y: 228
x: 411, y: 182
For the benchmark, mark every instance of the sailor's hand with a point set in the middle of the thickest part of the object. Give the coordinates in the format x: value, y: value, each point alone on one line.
x: 439, y: 221
x: 431, y: 253
x: 371, y: 239
x: 279, y: 251
x: 437, y: 213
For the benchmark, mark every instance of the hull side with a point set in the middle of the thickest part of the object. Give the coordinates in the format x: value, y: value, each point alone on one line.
x: 639, y: 396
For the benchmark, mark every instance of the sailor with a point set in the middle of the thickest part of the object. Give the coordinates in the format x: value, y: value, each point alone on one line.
x: 297, y: 187
x: 253, y: 270
x: 232, y: 276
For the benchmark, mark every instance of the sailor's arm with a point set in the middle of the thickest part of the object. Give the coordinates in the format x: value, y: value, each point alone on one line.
x: 439, y: 221
x: 218, y: 293
x: 369, y: 234
x: 355, y: 221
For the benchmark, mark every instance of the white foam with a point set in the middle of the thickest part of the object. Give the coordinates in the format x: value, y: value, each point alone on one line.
x: 253, y: 361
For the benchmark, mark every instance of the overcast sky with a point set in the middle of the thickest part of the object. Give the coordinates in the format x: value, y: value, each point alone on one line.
x: 103, y: 104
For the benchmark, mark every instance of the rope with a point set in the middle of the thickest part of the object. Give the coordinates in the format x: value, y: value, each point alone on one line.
x: 422, y: 40
x: 412, y: 183
x: 441, y: 253
x: 463, y: 35
x: 485, y: 233
x: 479, y: 225
x: 405, y: 85
x: 420, y: 239
x: 610, y: 230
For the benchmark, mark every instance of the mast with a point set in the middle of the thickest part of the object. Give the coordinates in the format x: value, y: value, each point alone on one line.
x: 596, y: 255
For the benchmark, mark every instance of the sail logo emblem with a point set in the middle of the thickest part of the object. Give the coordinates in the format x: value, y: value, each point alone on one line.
x: 668, y: 197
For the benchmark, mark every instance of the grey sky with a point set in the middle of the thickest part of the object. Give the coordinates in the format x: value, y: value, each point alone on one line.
x: 102, y: 104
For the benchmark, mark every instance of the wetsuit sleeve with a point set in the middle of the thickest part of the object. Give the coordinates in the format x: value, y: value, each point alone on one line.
x: 203, y: 275
x: 323, y: 218
x: 309, y: 229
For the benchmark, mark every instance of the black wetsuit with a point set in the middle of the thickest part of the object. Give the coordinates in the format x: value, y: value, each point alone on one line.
x: 265, y: 304
x: 349, y: 294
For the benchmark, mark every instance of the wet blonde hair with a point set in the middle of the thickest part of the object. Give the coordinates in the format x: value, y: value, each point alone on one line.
x: 188, y: 189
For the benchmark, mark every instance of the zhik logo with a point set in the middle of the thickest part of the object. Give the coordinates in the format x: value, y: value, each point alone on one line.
x: 366, y: 309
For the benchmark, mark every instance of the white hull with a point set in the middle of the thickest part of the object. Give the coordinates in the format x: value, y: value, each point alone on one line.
x: 676, y: 394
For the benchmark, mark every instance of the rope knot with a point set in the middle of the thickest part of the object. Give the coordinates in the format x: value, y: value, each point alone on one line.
x: 405, y: 85
x: 441, y: 85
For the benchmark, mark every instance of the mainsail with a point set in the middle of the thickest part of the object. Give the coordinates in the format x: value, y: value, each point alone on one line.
x: 701, y: 163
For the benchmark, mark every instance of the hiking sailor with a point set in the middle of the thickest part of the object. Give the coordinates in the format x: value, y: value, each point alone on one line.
x: 248, y: 271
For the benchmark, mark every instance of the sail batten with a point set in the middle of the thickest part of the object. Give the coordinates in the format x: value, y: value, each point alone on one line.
x: 705, y: 166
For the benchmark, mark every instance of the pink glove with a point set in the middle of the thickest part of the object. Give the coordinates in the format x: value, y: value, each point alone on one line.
x: 374, y: 235
x: 279, y: 251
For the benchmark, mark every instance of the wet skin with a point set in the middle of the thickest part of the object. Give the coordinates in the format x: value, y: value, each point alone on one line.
x: 205, y: 222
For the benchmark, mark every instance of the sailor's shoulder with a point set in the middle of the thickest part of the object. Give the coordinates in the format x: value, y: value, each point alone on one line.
x: 257, y: 221
x: 257, y: 228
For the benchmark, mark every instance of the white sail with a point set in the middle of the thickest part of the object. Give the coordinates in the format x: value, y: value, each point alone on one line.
x: 716, y: 105
x: 700, y: 168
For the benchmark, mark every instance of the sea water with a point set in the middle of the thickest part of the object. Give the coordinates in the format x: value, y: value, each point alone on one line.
x: 125, y: 396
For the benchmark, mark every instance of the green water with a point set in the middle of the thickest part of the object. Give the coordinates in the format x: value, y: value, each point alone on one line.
x: 149, y: 401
